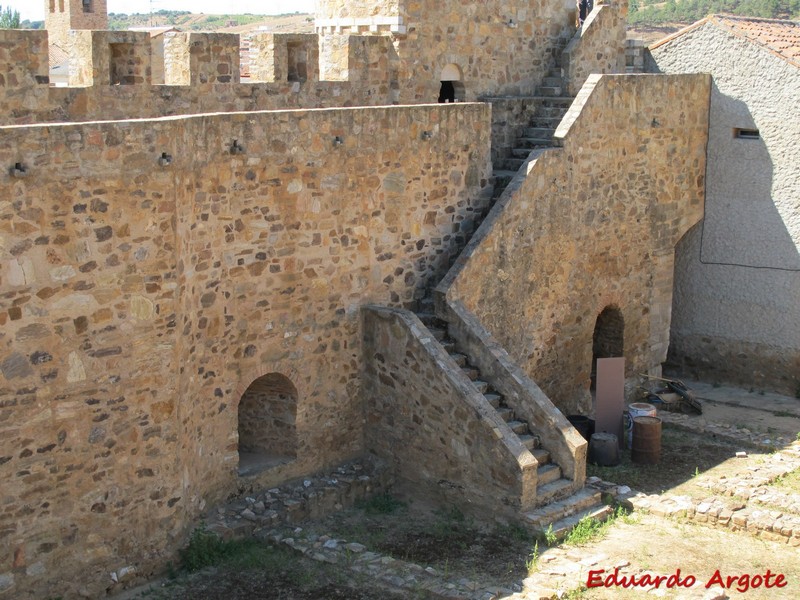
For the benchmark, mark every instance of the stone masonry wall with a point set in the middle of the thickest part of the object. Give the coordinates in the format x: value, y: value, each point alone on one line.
x: 736, y: 315
x: 200, y: 58
x: 598, y: 47
x: 501, y: 48
x: 591, y: 225
x: 109, y: 58
x: 453, y: 450
x: 138, y: 302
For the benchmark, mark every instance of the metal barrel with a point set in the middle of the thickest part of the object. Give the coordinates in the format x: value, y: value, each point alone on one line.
x: 646, y: 448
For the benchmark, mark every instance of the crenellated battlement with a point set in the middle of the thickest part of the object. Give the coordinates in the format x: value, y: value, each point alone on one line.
x: 365, y: 53
x: 111, y: 74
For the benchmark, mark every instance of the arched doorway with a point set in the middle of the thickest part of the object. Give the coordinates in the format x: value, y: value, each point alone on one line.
x: 452, y: 87
x: 267, y: 430
x: 608, y: 338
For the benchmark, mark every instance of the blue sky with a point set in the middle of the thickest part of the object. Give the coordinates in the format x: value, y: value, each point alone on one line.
x: 34, y: 9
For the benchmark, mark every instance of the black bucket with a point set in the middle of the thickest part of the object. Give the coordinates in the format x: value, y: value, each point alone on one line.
x: 604, y: 450
x: 584, y: 425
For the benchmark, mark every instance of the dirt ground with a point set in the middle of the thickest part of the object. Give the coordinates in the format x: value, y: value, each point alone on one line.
x: 663, y: 546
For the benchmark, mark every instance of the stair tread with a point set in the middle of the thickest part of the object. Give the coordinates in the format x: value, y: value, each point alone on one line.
x: 541, y: 455
x: 460, y: 359
x: 580, y: 500
x: 505, y: 413
x: 438, y: 333
x: 482, y: 386
x: 493, y: 399
x: 547, y: 473
x: 470, y: 372
x: 563, y: 526
x: 553, y: 489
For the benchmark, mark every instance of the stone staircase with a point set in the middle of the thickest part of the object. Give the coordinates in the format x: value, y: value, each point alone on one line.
x: 551, y: 107
x: 551, y: 484
x: 558, y: 518
x: 559, y: 510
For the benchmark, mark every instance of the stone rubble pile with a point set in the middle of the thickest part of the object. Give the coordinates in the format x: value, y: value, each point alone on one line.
x: 310, y: 498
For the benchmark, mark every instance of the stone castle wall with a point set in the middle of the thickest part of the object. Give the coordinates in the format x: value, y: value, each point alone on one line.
x: 736, y: 315
x: 141, y: 298
x: 593, y: 224
x: 598, y: 47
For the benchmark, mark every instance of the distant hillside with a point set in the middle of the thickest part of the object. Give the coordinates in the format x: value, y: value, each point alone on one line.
x: 186, y: 21
x: 652, y: 12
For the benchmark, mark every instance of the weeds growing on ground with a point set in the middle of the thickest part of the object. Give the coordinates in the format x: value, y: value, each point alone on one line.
x: 589, y: 529
x: 206, y: 549
x: 382, y: 504
x: 533, y: 558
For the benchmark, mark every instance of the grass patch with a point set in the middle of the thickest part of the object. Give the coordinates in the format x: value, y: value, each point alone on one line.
x: 206, y: 549
x: 589, y: 529
x: 789, y: 482
x: 382, y: 504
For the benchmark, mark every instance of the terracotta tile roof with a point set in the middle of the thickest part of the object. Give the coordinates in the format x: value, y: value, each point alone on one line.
x: 780, y: 37
x: 57, y: 55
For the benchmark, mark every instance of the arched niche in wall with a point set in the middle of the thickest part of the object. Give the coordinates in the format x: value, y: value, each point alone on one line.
x: 608, y: 338
x: 267, y: 428
x: 452, y: 85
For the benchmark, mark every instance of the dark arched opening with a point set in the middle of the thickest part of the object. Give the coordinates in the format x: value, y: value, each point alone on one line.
x: 447, y: 93
x: 452, y: 87
x: 267, y: 430
x: 608, y: 338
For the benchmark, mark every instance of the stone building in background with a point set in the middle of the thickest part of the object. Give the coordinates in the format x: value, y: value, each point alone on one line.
x: 63, y: 16
x: 209, y: 286
x: 736, y: 313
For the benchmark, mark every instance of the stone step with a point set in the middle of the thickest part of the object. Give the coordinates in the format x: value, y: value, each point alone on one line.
x: 555, y: 490
x: 531, y: 442
x: 426, y: 304
x: 553, y: 80
x: 525, y: 150
x: 547, y: 473
x: 494, y: 399
x: 552, y: 101
x: 438, y: 333
x: 577, y: 502
x: 510, y: 164
x: 459, y: 359
x: 545, y: 122
x: 541, y: 455
x: 542, y: 133
x: 561, y: 528
x: 548, y: 90
x: 470, y: 372
x: 429, y: 319
x: 518, y: 427
x: 482, y: 386
x: 506, y: 413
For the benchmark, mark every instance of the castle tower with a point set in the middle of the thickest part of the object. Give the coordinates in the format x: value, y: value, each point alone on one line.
x: 63, y: 15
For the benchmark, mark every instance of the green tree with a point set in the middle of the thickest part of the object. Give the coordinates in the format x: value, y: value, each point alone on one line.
x: 9, y: 19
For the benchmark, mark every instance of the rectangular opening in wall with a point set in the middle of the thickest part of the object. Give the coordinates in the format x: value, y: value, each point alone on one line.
x: 297, y: 68
x: 87, y: 6
x: 122, y: 64
x: 745, y: 134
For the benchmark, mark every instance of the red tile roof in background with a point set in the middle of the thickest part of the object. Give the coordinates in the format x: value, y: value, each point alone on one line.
x: 779, y: 36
